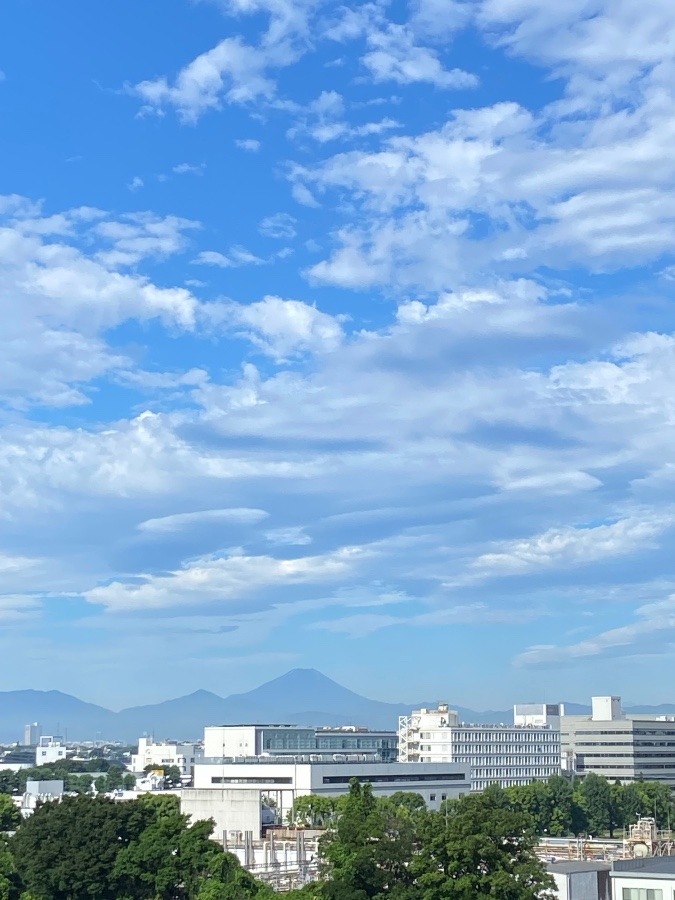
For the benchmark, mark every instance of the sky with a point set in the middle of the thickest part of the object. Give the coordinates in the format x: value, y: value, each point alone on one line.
x: 338, y: 337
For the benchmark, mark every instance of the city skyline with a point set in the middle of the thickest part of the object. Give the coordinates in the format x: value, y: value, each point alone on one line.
x: 341, y: 338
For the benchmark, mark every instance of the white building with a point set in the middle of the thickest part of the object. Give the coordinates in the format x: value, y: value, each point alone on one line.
x: 163, y: 755
x: 230, y: 741
x: 49, y: 750
x: 32, y: 734
x: 507, y: 755
x: 652, y: 878
x: 283, y: 780
x: 620, y: 747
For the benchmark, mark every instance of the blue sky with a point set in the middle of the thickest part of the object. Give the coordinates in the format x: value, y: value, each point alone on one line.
x: 338, y: 337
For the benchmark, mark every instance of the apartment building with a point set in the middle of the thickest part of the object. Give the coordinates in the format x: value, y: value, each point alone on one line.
x: 49, y: 750
x: 507, y: 755
x: 620, y: 747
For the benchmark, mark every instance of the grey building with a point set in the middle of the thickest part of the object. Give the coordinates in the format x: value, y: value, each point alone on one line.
x: 619, y: 747
x: 581, y: 879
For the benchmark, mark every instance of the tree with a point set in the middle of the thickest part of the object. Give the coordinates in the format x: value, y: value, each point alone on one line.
x: 91, y: 848
x: 656, y: 801
x: 66, y: 850
x: 368, y: 853
x: 101, y: 784
x: 312, y: 810
x: 9, y: 814
x: 129, y: 782
x: 562, y: 806
x: 483, y: 849
x: 9, y: 879
x: 595, y: 797
x: 9, y: 782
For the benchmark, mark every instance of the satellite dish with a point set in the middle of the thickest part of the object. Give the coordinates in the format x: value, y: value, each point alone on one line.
x: 640, y: 850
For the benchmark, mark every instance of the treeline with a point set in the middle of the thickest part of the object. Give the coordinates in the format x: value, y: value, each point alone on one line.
x: 395, y: 849
x: 75, y: 774
x: 559, y: 807
x: 592, y: 806
x: 92, y: 848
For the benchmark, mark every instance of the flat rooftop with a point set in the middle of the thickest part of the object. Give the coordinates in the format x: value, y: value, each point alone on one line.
x: 569, y: 867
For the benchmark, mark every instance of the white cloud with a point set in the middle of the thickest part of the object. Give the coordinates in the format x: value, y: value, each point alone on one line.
x: 251, y: 145
x: 570, y: 546
x: 653, y: 634
x: 135, y: 184
x: 187, y: 520
x: 235, y: 257
x: 189, y: 169
x: 217, y: 580
x: 284, y: 328
x: 394, y: 56
x: 58, y: 296
x: 139, y: 236
x: 280, y: 226
x: 294, y: 536
x: 232, y: 72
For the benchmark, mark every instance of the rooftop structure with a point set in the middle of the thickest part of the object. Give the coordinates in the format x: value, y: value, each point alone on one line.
x: 228, y: 741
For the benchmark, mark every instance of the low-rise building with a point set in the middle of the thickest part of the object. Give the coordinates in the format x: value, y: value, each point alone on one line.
x: 581, y: 879
x: 620, y: 747
x: 164, y: 755
x: 652, y: 878
x: 235, y: 793
x: 283, y: 780
x: 49, y: 750
x: 507, y: 755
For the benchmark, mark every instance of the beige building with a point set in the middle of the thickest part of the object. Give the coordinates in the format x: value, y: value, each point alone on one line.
x: 617, y: 746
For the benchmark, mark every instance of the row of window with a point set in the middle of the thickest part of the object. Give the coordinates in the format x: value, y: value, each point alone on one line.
x: 391, y: 779
x: 642, y: 894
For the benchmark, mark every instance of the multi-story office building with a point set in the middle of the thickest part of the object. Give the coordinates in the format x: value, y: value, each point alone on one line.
x: 620, y: 747
x: 507, y: 755
x: 32, y: 734
x: 230, y: 741
x: 163, y: 755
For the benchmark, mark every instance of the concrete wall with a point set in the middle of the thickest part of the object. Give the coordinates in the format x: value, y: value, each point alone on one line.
x: 231, y: 810
x: 583, y: 885
x: 229, y: 740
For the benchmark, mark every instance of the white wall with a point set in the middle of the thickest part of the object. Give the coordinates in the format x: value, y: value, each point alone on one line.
x: 228, y: 740
x: 231, y: 810
x: 665, y: 885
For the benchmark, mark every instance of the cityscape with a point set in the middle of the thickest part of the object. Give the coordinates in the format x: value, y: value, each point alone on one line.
x: 269, y: 790
x: 337, y: 450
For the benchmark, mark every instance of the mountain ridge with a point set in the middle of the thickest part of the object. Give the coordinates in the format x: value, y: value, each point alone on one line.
x: 298, y: 697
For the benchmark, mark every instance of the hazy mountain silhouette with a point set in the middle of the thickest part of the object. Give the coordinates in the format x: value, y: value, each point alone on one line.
x: 300, y: 697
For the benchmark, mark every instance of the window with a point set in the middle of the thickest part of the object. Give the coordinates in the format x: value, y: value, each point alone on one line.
x: 432, y: 797
x: 642, y: 894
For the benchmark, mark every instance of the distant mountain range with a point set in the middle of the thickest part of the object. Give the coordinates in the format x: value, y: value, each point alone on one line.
x: 300, y: 697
